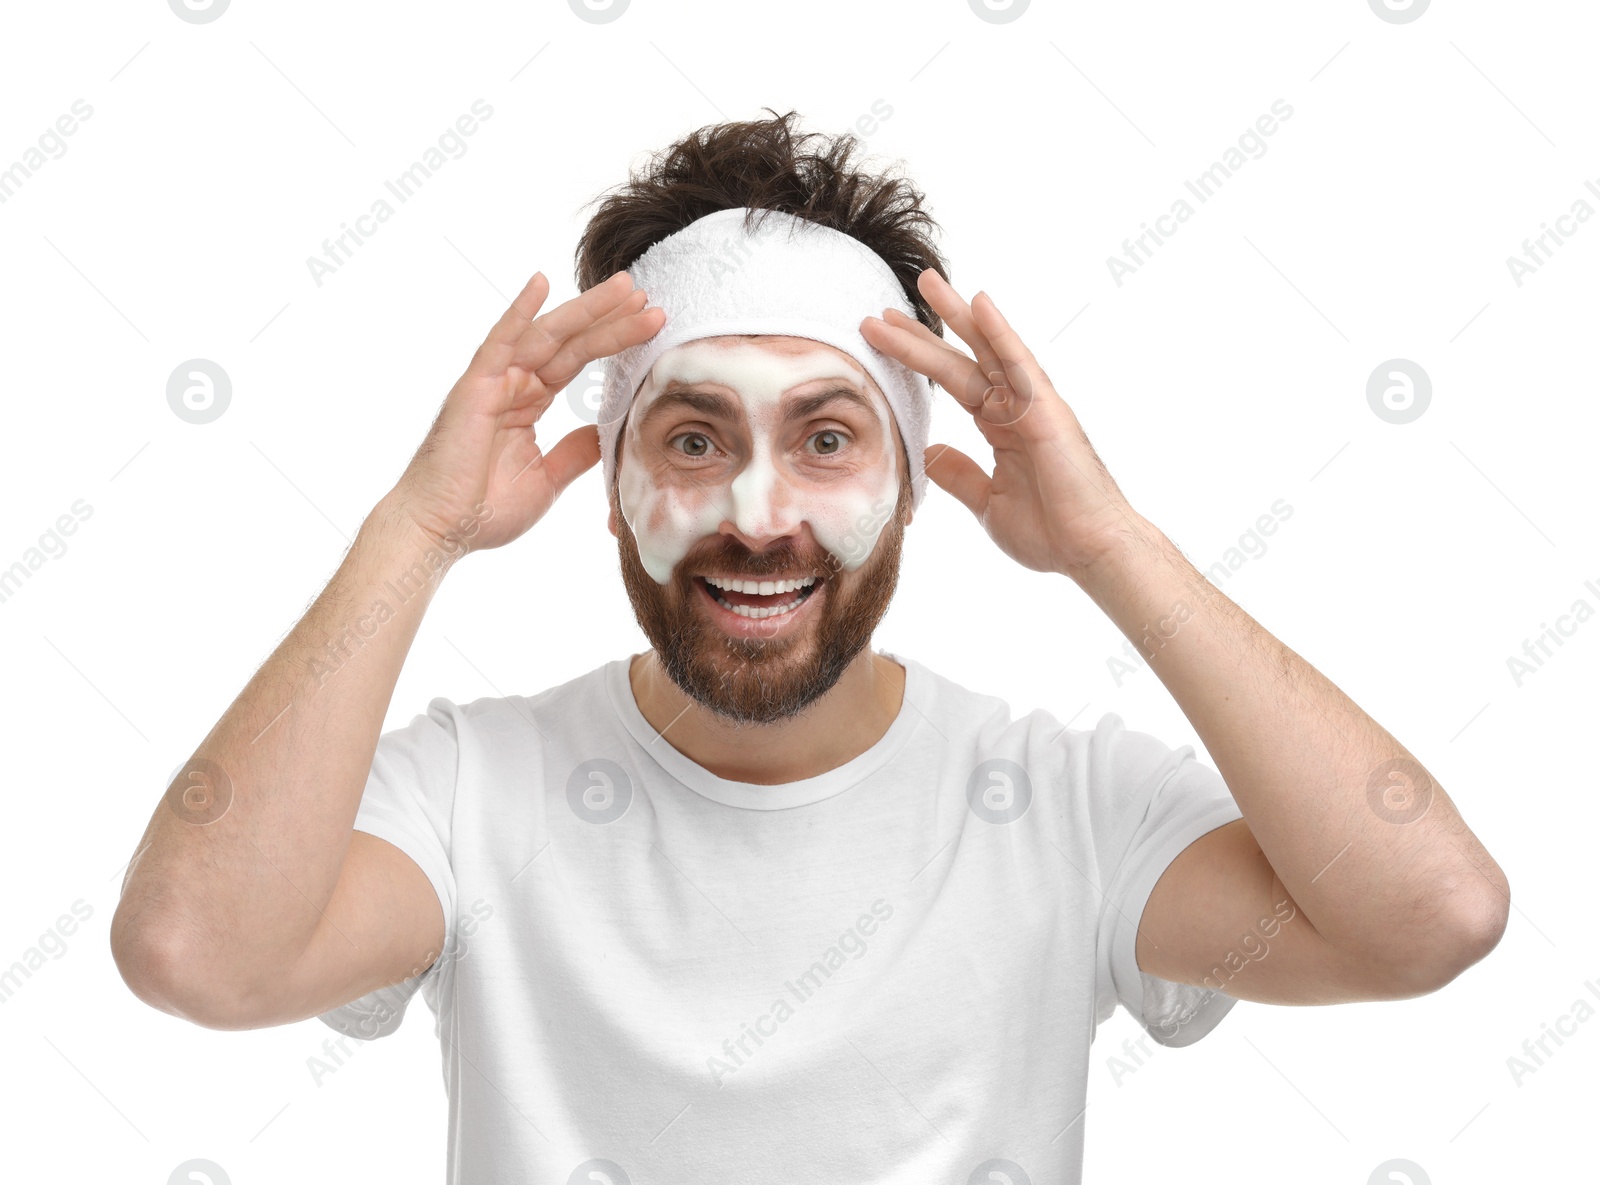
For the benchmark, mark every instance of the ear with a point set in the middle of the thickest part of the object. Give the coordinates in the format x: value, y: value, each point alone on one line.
x: 611, y: 520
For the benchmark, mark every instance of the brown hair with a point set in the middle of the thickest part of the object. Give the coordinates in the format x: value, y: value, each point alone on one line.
x: 765, y: 165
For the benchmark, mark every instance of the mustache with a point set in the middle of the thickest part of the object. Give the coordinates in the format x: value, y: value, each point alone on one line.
x: 731, y: 558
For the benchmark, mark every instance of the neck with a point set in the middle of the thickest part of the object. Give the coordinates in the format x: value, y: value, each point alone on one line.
x: 841, y: 725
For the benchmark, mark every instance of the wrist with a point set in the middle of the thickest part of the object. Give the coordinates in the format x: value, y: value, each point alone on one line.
x: 393, y: 538
x: 1134, y: 541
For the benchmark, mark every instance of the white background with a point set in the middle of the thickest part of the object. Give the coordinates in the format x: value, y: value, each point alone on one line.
x: 1227, y: 373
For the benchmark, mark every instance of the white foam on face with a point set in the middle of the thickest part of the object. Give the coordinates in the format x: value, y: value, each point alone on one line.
x: 671, y: 505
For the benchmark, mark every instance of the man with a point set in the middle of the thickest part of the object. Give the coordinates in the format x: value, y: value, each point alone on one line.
x: 762, y: 902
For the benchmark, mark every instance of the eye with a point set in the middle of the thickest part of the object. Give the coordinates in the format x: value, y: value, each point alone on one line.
x: 834, y: 441
x: 704, y: 440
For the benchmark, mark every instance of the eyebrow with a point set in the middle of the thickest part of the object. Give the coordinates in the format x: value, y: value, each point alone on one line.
x: 718, y: 406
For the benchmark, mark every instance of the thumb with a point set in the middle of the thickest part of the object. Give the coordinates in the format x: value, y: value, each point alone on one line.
x: 958, y: 475
x: 574, y: 453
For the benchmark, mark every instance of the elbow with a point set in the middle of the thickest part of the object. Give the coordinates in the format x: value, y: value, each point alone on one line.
x: 144, y: 963
x: 1456, y: 939
x: 1480, y: 927
x: 163, y: 973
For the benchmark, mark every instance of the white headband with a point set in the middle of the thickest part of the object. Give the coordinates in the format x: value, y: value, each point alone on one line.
x: 714, y: 277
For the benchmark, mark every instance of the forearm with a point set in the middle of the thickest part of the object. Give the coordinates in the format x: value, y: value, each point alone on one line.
x: 1380, y: 863
x: 243, y: 852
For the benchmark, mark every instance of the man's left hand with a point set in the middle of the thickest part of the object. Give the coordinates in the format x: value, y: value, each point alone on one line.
x: 1050, y: 505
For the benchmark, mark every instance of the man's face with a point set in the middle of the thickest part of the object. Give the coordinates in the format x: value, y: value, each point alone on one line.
x: 767, y: 459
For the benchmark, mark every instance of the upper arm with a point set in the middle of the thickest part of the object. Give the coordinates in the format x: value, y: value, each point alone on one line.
x: 1219, y: 917
x: 383, y: 925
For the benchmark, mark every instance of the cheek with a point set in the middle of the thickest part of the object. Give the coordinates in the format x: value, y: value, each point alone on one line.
x: 666, y: 521
x: 848, y: 521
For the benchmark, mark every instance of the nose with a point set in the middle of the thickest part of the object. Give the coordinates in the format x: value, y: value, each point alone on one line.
x: 763, y: 506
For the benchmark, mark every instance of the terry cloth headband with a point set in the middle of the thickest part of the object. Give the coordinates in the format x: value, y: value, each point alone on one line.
x: 788, y: 276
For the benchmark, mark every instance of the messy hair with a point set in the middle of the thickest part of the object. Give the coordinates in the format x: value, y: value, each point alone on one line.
x: 765, y: 165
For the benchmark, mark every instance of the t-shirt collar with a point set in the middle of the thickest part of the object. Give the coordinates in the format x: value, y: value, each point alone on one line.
x: 749, y: 795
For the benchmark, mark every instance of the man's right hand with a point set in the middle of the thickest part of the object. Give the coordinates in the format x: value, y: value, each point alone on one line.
x: 481, y: 462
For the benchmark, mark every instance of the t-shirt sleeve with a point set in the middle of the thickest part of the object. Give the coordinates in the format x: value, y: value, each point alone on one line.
x: 1152, y: 802
x: 408, y: 800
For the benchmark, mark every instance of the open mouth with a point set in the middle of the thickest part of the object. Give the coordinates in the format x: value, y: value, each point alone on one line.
x: 759, y: 599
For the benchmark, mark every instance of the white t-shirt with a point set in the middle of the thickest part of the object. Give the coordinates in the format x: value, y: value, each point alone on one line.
x: 887, y: 973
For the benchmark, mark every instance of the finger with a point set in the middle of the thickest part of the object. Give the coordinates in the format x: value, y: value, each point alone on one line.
x: 540, y: 385
x: 626, y: 325
x: 531, y: 348
x: 987, y: 374
x: 917, y: 329
x: 575, y: 453
x: 521, y: 339
x: 545, y: 335
x: 522, y: 310
x: 623, y: 327
x: 942, y: 363
x: 957, y: 314
x: 1008, y: 346
x: 1023, y: 380
x: 963, y: 478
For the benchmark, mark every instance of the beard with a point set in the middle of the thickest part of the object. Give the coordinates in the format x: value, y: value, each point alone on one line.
x: 762, y: 680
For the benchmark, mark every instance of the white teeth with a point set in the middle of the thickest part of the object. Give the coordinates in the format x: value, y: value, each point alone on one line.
x: 761, y: 587
x: 748, y: 611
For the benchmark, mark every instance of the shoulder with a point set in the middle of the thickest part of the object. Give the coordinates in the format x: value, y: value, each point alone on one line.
x: 988, y: 728
x: 1094, y: 753
x: 582, y: 695
x: 990, y: 718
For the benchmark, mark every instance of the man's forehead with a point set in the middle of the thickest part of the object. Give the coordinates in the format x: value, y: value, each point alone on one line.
x: 772, y: 344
